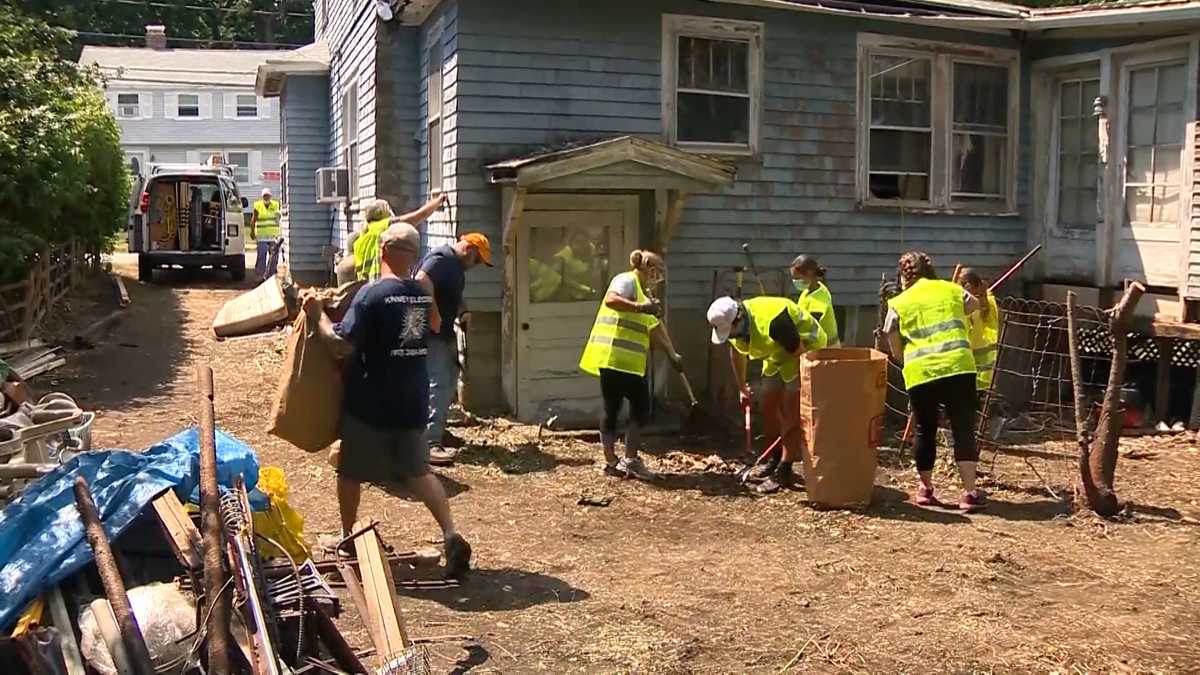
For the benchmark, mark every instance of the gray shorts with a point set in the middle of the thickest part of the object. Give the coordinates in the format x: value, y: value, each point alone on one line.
x: 371, y: 455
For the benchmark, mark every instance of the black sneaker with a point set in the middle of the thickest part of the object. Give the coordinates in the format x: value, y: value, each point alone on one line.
x: 458, y: 557
x: 782, y: 478
x: 763, y: 471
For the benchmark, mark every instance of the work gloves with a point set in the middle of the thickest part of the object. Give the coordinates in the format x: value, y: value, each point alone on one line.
x: 651, y: 307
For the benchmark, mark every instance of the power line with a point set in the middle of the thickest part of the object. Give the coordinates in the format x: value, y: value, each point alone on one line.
x: 88, y: 33
x: 234, y: 10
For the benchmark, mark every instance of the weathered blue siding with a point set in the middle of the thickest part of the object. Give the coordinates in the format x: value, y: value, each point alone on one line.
x: 442, y: 26
x: 351, y: 35
x: 541, y: 72
x: 305, y: 134
x: 398, y: 79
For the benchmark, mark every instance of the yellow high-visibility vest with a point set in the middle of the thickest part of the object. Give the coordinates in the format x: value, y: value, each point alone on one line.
x: 819, y: 301
x: 619, y: 340
x: 366, y: 250
x: 761, y: 311
x: 933, y: 325
x: 984, y: 332
x: 544, y: 281
x: 266, y: 222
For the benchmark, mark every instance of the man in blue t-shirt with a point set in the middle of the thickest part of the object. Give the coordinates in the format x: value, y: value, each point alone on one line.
x: 385, y: 336
x: 446, y: 269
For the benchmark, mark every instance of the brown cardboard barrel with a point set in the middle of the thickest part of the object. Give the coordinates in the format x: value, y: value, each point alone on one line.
x: 842, y: 395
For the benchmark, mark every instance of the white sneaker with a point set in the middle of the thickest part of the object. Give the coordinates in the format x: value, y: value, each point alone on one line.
x: 634, y: 467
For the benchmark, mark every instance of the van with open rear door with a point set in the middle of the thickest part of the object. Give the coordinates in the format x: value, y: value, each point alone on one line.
x: 187, y: 216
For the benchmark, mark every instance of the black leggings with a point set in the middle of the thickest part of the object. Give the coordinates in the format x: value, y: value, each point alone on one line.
x: 957, y: 393
x: 616, y: 386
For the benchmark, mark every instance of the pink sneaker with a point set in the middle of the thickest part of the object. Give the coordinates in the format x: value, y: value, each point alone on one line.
x: 972, y: 501
x: 924, y: 496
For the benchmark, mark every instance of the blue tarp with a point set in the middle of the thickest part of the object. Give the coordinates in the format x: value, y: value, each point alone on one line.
x: 41, y: 536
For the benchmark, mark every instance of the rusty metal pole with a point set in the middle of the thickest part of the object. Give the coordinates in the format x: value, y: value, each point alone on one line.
x: 212, y: 532
x: 110, y: 578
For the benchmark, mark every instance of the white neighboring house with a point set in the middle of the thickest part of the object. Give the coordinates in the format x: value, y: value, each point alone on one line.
x: 183, y: 105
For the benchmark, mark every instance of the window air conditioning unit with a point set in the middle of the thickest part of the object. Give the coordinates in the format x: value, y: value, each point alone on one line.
x: 333, y: 185
x: 130, y: 111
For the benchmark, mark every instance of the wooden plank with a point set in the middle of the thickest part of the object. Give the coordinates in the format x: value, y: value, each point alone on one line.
x: 181, y: 532
x: 379, y: 588
x: 62, y: 621
x: 1170, y: 329
x: 355, y: 588
x: 16, y: 346
x: 120, y: 290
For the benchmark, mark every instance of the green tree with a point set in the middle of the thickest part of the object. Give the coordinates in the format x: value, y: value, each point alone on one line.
x: 62, y: 173
x: 190, y: 23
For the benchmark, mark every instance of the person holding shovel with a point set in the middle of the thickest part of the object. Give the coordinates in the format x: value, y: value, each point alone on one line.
x: 984, y: 327
x: 617, y: 352
x: 777, y: 332
x: 926, y: 331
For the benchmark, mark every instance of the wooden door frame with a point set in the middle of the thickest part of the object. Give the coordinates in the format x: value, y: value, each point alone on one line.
x: 516, y: 203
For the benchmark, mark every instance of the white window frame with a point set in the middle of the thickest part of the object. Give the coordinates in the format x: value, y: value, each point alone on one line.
x: 675, y: 26
x: 943, y: 56
x: 249, y: 166
x: 350, y: 134
x: 117, y: 105
x: 431, y: 117
x: 199, y: 106
x: 258, y: 106
x: 1083, y: 71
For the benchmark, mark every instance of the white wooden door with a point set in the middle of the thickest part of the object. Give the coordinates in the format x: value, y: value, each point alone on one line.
x: 1074, y: 217
x: 568, y: 249
x: 1157, y: 98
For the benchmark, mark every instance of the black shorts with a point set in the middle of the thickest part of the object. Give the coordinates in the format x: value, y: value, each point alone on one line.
x: 617, y: 387
x: 372, y: 455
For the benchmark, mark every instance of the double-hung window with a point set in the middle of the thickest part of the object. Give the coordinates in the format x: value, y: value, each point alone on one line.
x: 712, y: 84
x: 188, y: 106
x: 937, y: 125
x: 349, y: 121
x: 241, y: 165
x: 247, y: 106
x: 129, y: 106
x: 434, y: 96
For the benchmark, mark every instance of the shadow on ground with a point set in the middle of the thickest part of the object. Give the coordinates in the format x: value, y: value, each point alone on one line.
x: 452, y: 486
x: 506, y: 589
x: 523, y: 459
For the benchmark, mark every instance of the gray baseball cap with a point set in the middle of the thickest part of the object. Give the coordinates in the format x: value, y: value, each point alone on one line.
x: 401, y: 234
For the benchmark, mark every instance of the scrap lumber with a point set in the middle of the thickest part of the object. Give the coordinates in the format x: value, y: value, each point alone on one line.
x: 62, y: 621
x: 379, y: 588
x: 119, y: 291
x: 341, y: 651
x: 180, y: 531
x: 106, y: 622
x: 17, y: 346
x: 213, y: 531
x: 110, y: 578
x: 16, y: 471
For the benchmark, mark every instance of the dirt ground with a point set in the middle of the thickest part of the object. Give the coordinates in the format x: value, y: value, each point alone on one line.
x: 693, y: 575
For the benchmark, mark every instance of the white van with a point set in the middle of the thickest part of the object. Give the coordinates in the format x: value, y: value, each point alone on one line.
x: 189, y: 216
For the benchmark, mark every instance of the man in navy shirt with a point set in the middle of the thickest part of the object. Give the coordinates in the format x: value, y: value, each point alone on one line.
x: 385, y: 335
x: 446, y: 269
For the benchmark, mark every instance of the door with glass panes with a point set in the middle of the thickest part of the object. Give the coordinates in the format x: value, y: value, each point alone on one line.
x: 1156, y: 100
x: 568, y: 249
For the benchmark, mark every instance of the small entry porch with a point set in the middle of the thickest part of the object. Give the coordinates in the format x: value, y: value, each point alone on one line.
x: 570, y: 218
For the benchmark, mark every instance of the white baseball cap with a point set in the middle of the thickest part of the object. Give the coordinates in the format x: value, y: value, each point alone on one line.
x: 721, y: 315
x: 266, y: 192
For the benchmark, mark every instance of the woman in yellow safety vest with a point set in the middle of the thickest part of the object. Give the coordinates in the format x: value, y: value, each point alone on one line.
x: 809, y: 279
x: 926, y: 329
x: 617, y: 352
x: 776, y: 331
x: 984, y: 327
x: 378, y: 214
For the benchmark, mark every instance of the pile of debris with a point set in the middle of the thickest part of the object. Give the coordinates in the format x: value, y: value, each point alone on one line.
x: 30, y: 358
x: 104, y: 568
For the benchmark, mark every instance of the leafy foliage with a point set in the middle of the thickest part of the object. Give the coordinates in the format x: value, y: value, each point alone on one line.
x: 62, y: 173
x: 214, y: 23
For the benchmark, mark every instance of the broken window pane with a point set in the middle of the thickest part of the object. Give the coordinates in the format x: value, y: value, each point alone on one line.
x: 900, y: 91
x: 568, y: 264
x: 714, y: 118
x: 899, y: 164
x: 980, y: 165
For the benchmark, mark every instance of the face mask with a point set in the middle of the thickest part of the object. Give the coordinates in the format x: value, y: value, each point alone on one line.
x: 800, y: 284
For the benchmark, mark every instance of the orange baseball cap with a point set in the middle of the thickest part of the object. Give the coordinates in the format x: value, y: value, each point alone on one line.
x: 481, y: 243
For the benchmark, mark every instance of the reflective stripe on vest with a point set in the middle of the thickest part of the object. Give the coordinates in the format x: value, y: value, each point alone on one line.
x: 777, y: 360
x: 984, y: 334
x: 266, y: 219
x: 619, y: 340
x: 934, y: 328
x: 820, y: 301
x: 366, y: 250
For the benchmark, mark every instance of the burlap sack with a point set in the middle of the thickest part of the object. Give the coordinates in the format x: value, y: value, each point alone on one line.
x: 841, y: 406
x: 308, y: 403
